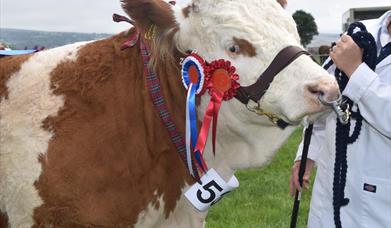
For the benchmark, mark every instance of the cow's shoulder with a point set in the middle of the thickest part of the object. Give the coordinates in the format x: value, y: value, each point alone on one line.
x: 116, y: 157
x: 96, y: 62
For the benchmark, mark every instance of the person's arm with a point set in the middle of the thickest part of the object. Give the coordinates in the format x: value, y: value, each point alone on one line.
x: 373, y: 98
x: 316, y: 147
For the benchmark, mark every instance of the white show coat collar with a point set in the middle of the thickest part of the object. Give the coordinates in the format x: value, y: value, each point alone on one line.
x: 385, y: 36
x: 375, y: 27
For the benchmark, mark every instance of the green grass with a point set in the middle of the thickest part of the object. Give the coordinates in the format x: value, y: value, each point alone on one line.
x: 263, y: 200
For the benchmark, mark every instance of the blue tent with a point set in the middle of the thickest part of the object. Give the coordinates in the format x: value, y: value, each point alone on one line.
x: 15, y: 52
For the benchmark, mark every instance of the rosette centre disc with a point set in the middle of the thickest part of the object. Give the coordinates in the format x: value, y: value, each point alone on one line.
x: 193, y: 74
x: 221, y: 80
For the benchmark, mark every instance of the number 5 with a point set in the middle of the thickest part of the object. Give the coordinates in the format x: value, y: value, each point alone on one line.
x: 212, y: 196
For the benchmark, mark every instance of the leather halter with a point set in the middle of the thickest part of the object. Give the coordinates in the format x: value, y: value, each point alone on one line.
x: 256, y: 91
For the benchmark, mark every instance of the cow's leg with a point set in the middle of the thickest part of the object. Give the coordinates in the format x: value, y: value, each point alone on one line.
x: 3, y: 220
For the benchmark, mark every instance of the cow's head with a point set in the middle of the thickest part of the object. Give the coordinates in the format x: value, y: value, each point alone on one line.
x: 249, y: 33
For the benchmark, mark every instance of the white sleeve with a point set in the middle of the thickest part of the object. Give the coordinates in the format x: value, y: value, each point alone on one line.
x: 317, y: 144
x: 372, y: 96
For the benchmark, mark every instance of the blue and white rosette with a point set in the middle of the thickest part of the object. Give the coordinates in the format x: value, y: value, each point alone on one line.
x: 193, y: 78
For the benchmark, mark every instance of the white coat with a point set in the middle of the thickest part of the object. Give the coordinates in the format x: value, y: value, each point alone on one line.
x: 369, y: 158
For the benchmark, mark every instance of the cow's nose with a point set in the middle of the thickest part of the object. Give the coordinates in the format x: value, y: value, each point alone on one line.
x: 326, y: 87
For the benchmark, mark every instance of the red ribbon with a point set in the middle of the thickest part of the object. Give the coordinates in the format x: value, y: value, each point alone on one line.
x: 211, y: 114
x: 216, y: 99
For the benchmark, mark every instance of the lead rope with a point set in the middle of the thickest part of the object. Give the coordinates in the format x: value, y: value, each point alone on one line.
x: 304, y: 155
x: 365, y: 41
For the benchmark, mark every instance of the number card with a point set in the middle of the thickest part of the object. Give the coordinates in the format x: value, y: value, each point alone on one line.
x: 212, y: 188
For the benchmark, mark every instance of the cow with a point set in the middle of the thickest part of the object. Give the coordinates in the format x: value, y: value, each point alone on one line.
x: 82, y: 145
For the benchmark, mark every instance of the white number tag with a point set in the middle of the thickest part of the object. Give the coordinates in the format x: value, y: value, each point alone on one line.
x: 213, y: 187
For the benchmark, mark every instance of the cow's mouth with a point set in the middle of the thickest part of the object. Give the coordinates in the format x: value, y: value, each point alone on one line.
x: 307, y: 117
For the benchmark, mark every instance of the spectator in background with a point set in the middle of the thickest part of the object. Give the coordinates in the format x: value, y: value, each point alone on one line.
x: 324, y: 52
x: 368, y: 180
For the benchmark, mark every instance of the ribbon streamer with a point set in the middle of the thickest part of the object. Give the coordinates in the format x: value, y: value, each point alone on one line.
x: 193, y: 80
x: 191, y: 125
x: 211, y: 114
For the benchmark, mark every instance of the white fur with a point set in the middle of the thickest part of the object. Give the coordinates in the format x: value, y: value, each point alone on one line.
x: 22, y: 138
x: 184, y: 215
x: 211, y: 27
x: 245, y: 139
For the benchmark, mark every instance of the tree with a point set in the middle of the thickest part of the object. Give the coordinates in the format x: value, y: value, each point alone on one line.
x: 306, y: 26
x: 4, y: 45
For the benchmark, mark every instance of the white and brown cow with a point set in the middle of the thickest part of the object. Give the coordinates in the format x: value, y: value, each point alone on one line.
x: 81, y: 144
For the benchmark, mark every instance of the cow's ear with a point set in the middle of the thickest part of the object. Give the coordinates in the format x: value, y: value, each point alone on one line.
x: 150, y: 12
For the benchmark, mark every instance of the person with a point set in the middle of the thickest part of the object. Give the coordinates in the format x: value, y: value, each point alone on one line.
x: 368, y: 180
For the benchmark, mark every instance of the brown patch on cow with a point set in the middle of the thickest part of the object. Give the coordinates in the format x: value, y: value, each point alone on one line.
x: 186, y: 11
x: 111, y: 156
x: 150, y: 12
x: 3, y: 220
x: 9, y: 66
x: 246, y: 48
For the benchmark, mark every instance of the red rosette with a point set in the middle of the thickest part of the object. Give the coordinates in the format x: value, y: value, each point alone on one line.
x: 221, y: 77
x: 222, y: 83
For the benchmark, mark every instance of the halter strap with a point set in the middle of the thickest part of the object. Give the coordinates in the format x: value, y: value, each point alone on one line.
x: 256, y: 91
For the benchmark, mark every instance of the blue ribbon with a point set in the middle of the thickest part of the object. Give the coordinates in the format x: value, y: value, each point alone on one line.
x: 193, y: 116
x: 191, y: 124
x: 191, y: 111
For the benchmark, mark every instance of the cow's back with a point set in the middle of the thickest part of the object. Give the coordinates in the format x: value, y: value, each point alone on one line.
x: 81, y: 143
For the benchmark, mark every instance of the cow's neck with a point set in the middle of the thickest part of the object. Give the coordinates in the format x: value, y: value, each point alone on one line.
x: 244, y: 140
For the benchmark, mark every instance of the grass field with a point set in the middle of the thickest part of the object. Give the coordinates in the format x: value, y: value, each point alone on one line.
x: 263, y: 200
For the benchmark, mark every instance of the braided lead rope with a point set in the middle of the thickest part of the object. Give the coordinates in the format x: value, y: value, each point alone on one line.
x: 365, y: 41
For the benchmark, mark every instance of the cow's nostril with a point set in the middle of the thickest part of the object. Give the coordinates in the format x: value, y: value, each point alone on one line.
x: 314, y: 90
x: 325, y: 88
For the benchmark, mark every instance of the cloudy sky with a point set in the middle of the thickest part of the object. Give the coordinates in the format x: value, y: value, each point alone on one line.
x: 95, y: 15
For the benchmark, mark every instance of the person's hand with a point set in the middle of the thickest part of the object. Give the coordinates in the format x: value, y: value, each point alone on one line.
x: 346, y: 55
x: 294, y: 179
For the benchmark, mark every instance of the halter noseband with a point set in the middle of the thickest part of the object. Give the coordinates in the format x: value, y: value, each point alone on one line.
x: 256, y: 91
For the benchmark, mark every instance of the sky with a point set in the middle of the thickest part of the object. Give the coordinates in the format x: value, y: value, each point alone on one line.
x: 95, y: 15
x: 328, y: 13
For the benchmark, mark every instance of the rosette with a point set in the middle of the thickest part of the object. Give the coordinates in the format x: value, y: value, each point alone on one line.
x: 193, y: 78
x: 222, y: 84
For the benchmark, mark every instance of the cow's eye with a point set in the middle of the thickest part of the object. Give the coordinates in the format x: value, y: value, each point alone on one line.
x: 234, y: 49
